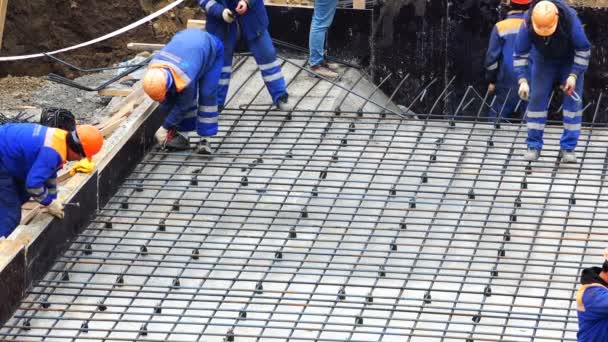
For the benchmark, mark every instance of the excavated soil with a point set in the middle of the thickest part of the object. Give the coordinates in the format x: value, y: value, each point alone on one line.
x: 34, y: 26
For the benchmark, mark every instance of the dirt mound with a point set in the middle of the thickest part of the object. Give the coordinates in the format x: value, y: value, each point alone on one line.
x: 35, y: 26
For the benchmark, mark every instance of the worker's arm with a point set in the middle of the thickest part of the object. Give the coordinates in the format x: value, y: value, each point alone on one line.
x: 178, y: 106
x: 41, y: 182
x: 493, y: 56
x: 582, y: 47
x: 595, y: 300
x: 212, y: 7
x: 521, y: 56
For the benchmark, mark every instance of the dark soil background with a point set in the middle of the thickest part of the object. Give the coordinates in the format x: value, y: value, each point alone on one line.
x: 35, y: 26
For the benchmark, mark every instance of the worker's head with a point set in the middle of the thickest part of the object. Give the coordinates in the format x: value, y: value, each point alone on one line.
x: 84, y: 142
x: 545, y: 17
x: 157, y: 83
x: 520, y: 5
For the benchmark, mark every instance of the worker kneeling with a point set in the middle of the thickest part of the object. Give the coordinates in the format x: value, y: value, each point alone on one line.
x: 553, y: 38
x: 186, y: 68
x: 592, y: 303
x: 30, y: 156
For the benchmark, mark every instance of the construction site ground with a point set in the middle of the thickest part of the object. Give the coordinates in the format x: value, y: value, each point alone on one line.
x: 322, y: 226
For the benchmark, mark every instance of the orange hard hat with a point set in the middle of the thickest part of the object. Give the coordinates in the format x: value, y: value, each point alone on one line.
x: 155, y: 83
x: 545, y: 16
x: 522, y: 2
x: 90, y: 139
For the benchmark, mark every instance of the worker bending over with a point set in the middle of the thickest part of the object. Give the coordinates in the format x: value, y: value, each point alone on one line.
x: 499, y: 64
x: 592, y: 303
x: 554, y: 41
x: 30, y: 155
x: 188, y: 67
x: 229, y: 19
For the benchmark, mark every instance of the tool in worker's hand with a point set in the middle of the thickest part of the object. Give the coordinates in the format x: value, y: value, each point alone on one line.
x: 75, y: 204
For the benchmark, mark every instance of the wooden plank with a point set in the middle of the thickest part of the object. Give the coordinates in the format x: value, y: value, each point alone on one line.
x: 122, y: 92
x: 143, y: 46
x: 3, y: 7
x: 196, y: 24
x: 359, y: 4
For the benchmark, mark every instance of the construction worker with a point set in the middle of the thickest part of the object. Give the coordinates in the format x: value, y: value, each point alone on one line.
x: 187, y: 67
x: 30, y: 155
x: 499, y: 64
x: 554, y: 41
x: 592, y: 303
x: 230, y: 19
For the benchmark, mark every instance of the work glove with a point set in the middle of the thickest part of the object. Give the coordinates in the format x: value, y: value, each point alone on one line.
x: 491, y: 88
x: 524, y: 90
x: 56, y: 209
x: 228, y: 16
x: 83, y: 166
x: 570, y: 85
x: 242, y: 7
x: 161, y: 135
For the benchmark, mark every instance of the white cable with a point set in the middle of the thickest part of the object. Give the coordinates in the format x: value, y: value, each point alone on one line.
x: 100, y: 39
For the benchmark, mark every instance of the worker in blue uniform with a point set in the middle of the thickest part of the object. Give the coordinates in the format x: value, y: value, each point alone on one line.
x: 592, y: 303
x: 187, y: 68
x: 499, y: 65
x: 30, y: 155
x: 554, y: 40
x: 250, y: 21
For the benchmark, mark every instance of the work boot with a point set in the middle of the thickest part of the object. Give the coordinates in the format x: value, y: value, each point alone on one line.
x: 335, y: 67
x: 531, y: 154
x: 284, y: 104
x: 176, y: 141
x: 567, y: 156
x: 324, y: 71
x: 204, y: 148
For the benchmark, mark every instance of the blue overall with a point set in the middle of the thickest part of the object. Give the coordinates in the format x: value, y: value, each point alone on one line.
x: 195, y: 60
x: 254, y: 28
x: 553, y: 59
x: 500, y: 71
x: 592, y: 307
x: 30, y: 155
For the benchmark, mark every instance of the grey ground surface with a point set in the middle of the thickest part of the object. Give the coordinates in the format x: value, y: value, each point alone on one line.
x: 332, y: 227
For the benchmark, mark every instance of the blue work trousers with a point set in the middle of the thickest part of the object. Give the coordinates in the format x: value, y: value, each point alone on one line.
x: 265, y: 55
x: 544, y: 75
x: 321, y: 20
x: 506, y: 104
x: 12, y: 197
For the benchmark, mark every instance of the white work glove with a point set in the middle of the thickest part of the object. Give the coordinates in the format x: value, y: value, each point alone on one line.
x: 56, y: 209
x: 524, y: 90
x: 228, y: 16
x: 491, y: 88
x: 570, y: 85
x: 161, y: 135
x: 242, y: 7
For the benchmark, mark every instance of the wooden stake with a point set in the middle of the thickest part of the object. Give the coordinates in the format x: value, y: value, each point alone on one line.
x: 3, y: 7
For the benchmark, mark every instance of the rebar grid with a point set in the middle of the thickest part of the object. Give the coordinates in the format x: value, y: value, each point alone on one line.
x: 312, y: 226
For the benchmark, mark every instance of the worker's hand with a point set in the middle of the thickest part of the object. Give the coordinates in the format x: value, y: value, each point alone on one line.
x: 524, y: 90
x: 570, y: 85
x: 228, y: 16
x: 242, y: 7
x: 606, y: 253
x: 56, y: 209
x: 83, y: 166
x: 491, y: 88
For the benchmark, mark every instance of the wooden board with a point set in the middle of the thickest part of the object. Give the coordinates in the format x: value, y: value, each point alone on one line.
x: 3, y: 7
x: 115, y: 92
x: 144, y: 46
x: 196, y: 24
x: 359, y: 4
